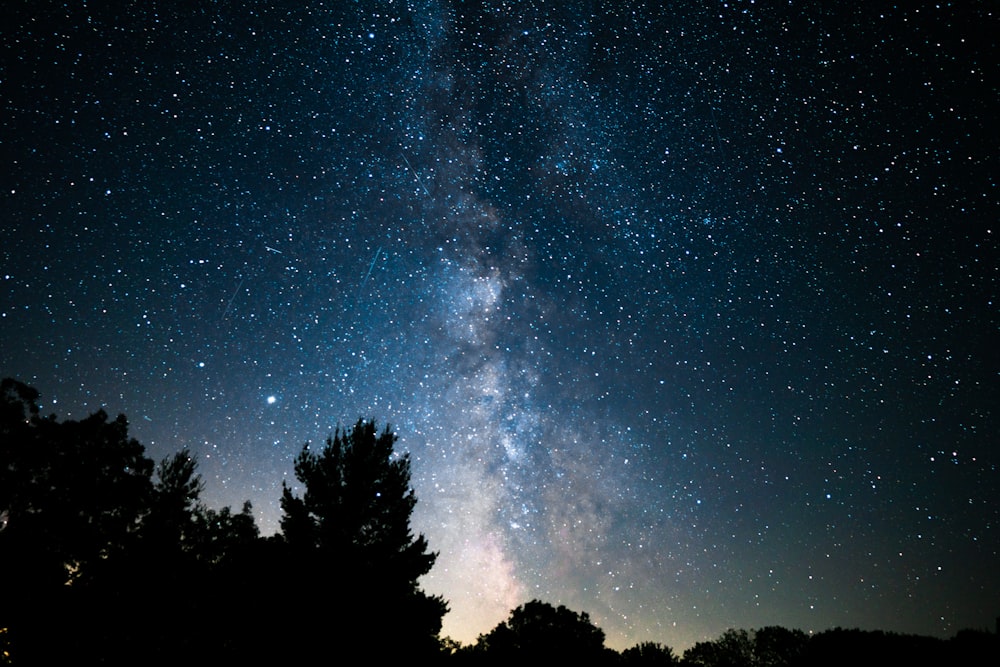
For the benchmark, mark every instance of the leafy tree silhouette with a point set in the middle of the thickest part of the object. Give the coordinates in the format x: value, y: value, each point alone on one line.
x: 733, y: 649
x: 536, y: 631
x: 73, y: 491
x: 652, y: 654
x: 220, y: 534
x: 187, y: 549
x: 178, y: 523
x: 775, y: 646
x: 973, y: 648
x: 177, y: 491
x: 100, y: 562
x: 350, y: 532
x: 841, y: 646
x: 74, y: 494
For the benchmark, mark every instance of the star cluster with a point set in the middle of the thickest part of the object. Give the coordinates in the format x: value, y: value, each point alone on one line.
x: 686, y: 313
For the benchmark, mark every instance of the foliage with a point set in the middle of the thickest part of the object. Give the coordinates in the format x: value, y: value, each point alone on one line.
x: 733, y: 649
x: 220, y: 533
x: 652, y: 654
x: 170, y: 524
x: 74, y: 492
x: 350, y: 530
x: 85, y: 526
x: 772, y: 646
x: 775, y: 646
x: 538, y: 631
x: 357, y: 504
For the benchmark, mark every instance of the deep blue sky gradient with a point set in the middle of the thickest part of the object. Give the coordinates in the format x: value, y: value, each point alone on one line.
x: 687, y: 315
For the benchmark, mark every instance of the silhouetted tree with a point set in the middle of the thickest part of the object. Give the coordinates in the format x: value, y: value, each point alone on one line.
x: 220, y: 533
x: 74, y: 493
x: 536, y: 631
x: 178, y: 523
x: 772, y: 646
x: 348, y: 536
x: 18, y: 406
x: 357, y: 505
x: 183, y: 549
x: 733, y: 649
x: 100, y: 561
x: 841, y: 646
x: 974, y: 648
x: 775, y: 646
x: 649, y: 653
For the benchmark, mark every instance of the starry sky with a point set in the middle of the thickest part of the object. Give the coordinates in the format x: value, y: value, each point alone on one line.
x: 686, y: 312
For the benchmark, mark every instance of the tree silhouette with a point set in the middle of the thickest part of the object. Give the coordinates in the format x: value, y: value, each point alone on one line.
x: 841, y: 646
x: 220, y: 534
x: 733, y: 649
x: 107, y: 562
x: 536, y: 631
x: 73, y: 494
x: 350, y: 531
x: 775, y: 646
x: 652, y: 654
x: 178, y: 524
x: 170, y: 524
x: 73, y: 490
x: 100, y: 561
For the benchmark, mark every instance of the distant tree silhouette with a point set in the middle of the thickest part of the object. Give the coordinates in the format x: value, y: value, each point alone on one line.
x: 775, y: 646
x: 349, y: 539
x: 841, y: 646
x: 733, y: 649
x: 186, y: 549
x: 974, y: 648
x: 18, y: 407
x: 536, y: 632
x: 221, y: 533
x: 652, y: 654
x: 449, y: 647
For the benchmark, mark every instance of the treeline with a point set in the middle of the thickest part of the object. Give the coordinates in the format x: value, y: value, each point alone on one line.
x: 108, y: 557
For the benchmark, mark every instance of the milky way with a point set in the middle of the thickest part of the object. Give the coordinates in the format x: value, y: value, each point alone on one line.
x: 687, y: 316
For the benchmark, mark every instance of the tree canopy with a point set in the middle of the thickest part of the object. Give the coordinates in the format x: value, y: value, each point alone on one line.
x: 351, y: 529
x: 87, y: 530
x: 537, y: 630
x: 356, y: 505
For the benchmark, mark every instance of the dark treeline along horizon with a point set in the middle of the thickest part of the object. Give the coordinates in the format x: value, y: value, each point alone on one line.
x: 110, y: 558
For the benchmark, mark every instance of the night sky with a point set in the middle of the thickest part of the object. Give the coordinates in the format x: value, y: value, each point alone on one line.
x: 686, y: 312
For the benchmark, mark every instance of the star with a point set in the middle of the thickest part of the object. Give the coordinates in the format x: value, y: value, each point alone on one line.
x: 632, y: 276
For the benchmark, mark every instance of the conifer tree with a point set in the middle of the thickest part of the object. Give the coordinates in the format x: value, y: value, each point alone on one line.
x: 351, y: 528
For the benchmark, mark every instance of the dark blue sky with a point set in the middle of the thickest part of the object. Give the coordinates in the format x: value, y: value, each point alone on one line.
x: 687, y: 316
